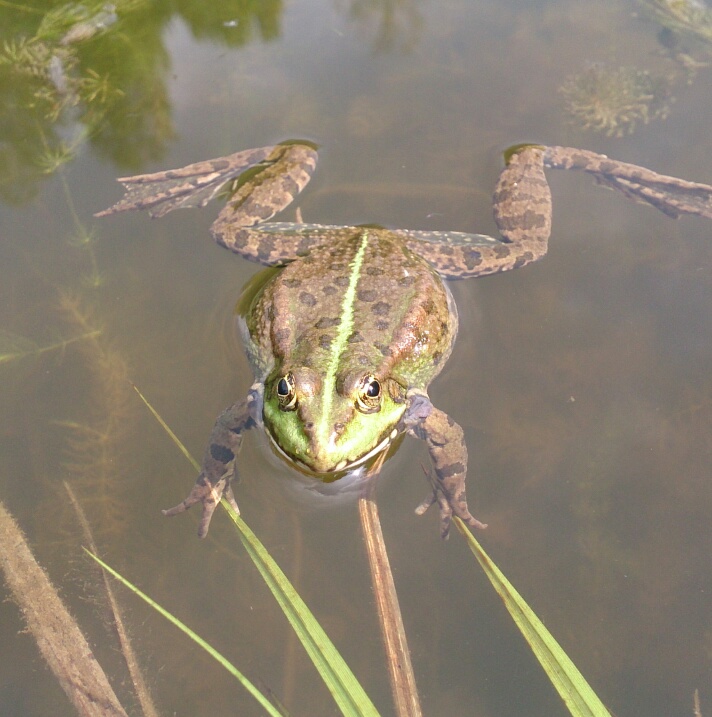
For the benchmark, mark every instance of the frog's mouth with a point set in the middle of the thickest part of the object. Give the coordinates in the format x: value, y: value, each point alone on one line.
x: 344, y: 466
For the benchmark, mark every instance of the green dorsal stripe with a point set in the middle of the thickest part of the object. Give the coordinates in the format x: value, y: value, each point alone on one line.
x: 342, y: 336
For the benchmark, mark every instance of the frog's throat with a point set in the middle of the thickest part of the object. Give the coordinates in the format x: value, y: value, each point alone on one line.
x: 323, y: 428
x: 344, y: 465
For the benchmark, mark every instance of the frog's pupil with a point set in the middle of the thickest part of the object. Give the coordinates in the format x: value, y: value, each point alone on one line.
x: 373, y: 389
x: 282, y: 387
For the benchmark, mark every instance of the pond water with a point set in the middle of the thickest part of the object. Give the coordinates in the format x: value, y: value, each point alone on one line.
x: 583, y: 382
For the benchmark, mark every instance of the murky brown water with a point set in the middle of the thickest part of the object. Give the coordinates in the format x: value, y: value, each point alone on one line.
x: 583, y: 382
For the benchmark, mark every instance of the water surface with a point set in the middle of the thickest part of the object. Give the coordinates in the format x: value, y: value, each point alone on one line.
x: 582, y: 382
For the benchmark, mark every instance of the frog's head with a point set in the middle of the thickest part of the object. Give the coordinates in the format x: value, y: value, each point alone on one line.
x: 331, y: 423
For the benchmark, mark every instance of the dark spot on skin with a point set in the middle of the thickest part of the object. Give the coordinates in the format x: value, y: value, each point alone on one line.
x: 382, y: 324
x: 329, y: 290
x: 336, y: 266
x: 374, y: 270
x: 289, y: 186
x: 292, y: 283
x: 339, y: 428
x: 355, y: 338
x: 472, y: 258
x: 307, y: 299
x: 326, y: 322
x: 263, y: 211
x: 304, y: 246
x: 342, y: 281
x: 325, y: 342
x: 523, y: 259
x: 407, y: 280
x: 428, y: 306
x: 238, y: 241
x: 385, y: 350
x: 452, y: 470
x: 367, y: 295
x: 501, y: 251
x: 266, y: 249
x: 217, y: 164
x: 222, y: 454
x: 381, y: 308
x: 282, y: 334
x: 437, y: 357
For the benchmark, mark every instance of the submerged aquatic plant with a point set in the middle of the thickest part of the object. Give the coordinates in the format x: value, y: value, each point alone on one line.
x: 692, y: 18
x: 614, y: 101
x: 92, y: 457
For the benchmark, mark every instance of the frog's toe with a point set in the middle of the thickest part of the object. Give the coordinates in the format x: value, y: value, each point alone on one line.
x: 209, y: 495
x: 449, y: 506
x: 429, y: 500
x: 437, y: 496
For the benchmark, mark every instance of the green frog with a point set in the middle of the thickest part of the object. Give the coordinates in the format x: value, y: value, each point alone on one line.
x: 345, y: 339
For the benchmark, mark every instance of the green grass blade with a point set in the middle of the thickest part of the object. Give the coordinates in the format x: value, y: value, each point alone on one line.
x: 340, y: 681
x: 577, y: 694
x: 264, y: 702
x: 168, y: 430
x: 346, y: 690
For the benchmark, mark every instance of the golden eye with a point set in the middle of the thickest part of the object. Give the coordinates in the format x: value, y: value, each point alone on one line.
x: 368, y: 397
x: 286, y: 392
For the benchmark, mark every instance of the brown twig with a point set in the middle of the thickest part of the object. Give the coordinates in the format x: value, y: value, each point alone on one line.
x: 400, y: 668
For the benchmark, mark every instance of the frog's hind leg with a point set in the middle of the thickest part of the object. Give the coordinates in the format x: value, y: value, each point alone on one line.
x: 278, y: 243
x: 191, y: 186
x: 522, y: 212
x: 670, y: 195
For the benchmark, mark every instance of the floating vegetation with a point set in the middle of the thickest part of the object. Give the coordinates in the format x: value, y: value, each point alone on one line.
x: 615, y: 101
x: 692, y: 18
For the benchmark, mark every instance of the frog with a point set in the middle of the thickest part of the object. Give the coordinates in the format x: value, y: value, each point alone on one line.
x: 346, y: 336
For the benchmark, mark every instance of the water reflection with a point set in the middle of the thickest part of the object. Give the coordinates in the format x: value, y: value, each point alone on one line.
x: 98, y: 72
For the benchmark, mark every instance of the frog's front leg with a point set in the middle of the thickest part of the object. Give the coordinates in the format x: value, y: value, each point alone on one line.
x: 218, y: 469
x: 448, y: 453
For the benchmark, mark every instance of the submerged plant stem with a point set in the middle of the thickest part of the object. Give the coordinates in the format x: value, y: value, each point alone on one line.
x: 58, y: 638
x: 140, y: 688
x: 400, y: 667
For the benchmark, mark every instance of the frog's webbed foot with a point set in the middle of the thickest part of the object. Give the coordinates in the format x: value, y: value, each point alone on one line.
x: 670, y: 195
x: 448, y: 453
x: 209, y: 494
x: 218, y: 470
x: 450, y: 502
x: 276, y: 175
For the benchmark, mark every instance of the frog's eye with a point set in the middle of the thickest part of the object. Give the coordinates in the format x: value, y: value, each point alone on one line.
x: 286, y: 392
x: 368, y: 396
